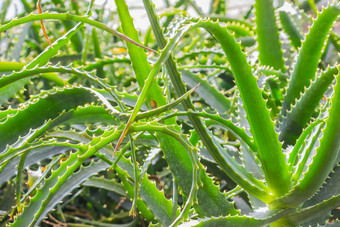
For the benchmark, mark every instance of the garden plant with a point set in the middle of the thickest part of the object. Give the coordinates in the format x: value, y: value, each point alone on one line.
x: 203, y: 120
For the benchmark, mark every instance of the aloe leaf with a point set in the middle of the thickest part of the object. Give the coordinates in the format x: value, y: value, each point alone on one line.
x: 310, y: 54
x: 34, y: 156
x: 43, y: 109
x: 238, y: 132
x: 155, y: 202
x: 141, y: 68
x: 19, y: 45
x: 291, y: 30
x: 175, y: 153
x: 10, y: 66
x: 149, y: 82
x: 240, y: 27
x: 24, y: 73
x: 101, y: 62
x: 124, y: 169
x: 20, y: 169
x: 150, y: 157
x: 329, y: 189
x: 299, y: 145
x: 207, y: 92
x: 259, y: 219
x: 107, y: 184
x: 312, y: 5
x: 301, y: 112
x: 306, y: 152
x: 67, y: 16
x: 152, y: 199
x: 39, y: 180
x: 72, y: 182
x: 149, y: 193
x: 335, y: 40
x: 193, y: 157
x: 200, y: 129
x: 261, y: 126
x: 267, y: 33
x: 8, y: 91
x: 310, y: 213
x: 3, y: 9
x: 35, y: 210
x: 323, y: 160
x: 138, y: 57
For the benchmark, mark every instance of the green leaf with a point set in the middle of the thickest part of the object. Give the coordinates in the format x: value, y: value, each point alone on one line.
x: 71, y: 183
x: 290, y: 28
x: 175, y: 153
x: 310, y: 54
x: 40, y: 109
x: 310, y: 213
x: 35, y: 156
x: 269, y: 44
x: 107, y: 184
x: 324, y: 159
x: 11, y: 89
x: 330, y: 188
x: 259, y: 219
x: 262, y: 128
x: 67, y: 16
x: 301, y: 112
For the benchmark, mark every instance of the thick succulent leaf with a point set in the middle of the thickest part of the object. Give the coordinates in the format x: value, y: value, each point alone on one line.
x: 310, y: 54
x: 300, y: 114
x: 147, y: 162
x: 176, y: 155
x: 241, y: 28
x: 67, y: 16
x: 262, y: 128
x: 155, y: 202
x: 335, y: 38
x: 306, y: 152
x: 107, y: 184
x: 49, y: 106
x: 35, y: 156
x: 24, y: 73
x: 301, y: 144
x: 267, y: 33
x: 89, y: 114
x: 40, y: 177
x: 71, y: 183
x: 77, y: 40
x: 289, y: 22
x: 310, y: 213
x: 180, y: 166
x: 192, y: 151
x: 38, y: 205
x: 259, y: 219
x: 11, y: 89
x: 148, y: 192
x: 330, y: 188
x: 323, y: 160
x: 246, y: 83
x: 162, y: 109
x: 138, y: 57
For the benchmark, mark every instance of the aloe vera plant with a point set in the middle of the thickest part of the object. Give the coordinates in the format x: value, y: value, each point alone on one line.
x: 212, y: 121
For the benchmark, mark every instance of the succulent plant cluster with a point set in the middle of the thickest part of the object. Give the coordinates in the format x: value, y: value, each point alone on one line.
x: 211, y: 121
